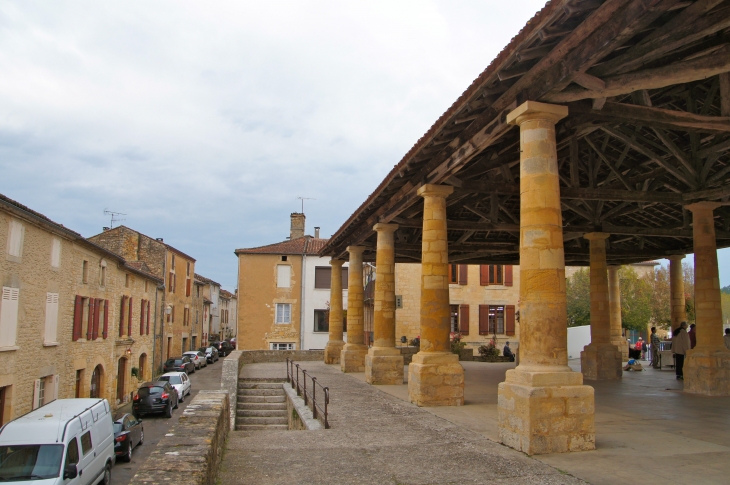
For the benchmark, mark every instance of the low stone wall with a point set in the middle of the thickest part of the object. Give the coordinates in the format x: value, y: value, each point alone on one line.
x: 259, y: 356
x: 191, y: 452
x: 300, y: 416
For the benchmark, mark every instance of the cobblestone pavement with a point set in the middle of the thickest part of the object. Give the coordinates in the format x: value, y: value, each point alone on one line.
x: 155, y: 426
x: 375, y: 438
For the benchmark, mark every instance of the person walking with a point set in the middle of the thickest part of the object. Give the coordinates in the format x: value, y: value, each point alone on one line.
x: 692, y: 336
x: 680, y: 346
x: 655, y: 344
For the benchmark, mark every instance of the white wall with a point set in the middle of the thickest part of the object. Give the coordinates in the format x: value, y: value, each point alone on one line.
x: 316, y: 299
x: 578, y: 337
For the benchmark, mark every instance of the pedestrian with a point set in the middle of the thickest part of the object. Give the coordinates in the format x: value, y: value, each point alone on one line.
x: 680, y: 345
x: 727, y: 338
x: 507, y: 352
x: 655, y: 344
x: 692, y: 336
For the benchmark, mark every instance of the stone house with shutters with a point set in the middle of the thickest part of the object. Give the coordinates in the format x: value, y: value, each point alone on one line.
x: 211, y: 294
x: 227, y: 304
x: 484, y: 302
x: 176, y: 268
x: 74, y: 317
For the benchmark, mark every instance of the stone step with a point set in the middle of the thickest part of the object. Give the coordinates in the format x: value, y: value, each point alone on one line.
x: 256, y: 427
x: 261, y: 399
x: 274, y: 406
x: 261, y: 413
x: 261, y: 392
x: 259, y: 385
x: 262, y: 379
x: 261, y: 420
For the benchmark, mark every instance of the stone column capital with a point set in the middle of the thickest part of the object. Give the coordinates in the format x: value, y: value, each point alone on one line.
x: 614, y: 267
x: 337, y: 263
x: 533, y: 110
x: 381, y: 227
x: 702, y: 206
x: 357, y: 250
x: 676, y: 257
x: 596, y: 236
x: 434, y: 190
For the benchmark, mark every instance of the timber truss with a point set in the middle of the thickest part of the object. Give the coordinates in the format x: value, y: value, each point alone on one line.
x: 648, y: 132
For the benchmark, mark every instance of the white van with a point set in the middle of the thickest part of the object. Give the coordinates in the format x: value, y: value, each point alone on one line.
x: 67, y: 441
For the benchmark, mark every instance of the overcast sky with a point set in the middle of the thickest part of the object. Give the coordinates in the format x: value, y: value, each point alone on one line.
x: 204, y: 121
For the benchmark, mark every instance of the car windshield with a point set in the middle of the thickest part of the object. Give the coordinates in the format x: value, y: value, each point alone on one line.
x: 30, y: 462
x: 117, y: 427
x: 146, y: 391
x: 171, y: 379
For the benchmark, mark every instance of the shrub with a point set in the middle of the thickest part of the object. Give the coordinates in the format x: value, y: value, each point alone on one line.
x: 456, y: 344
x: 489, y: 351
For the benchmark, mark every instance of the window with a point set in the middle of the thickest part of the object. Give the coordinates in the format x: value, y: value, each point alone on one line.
x: 86, y: 442
x: 284, y: 258
x: 173, y: 262
x: 126, y: 280
x: 45, y: 390
x: 454, y: 321
x: 9, y: 316
x: 458, y: 274
x: 283, y: 276
x: 323, y: 277
x: 15, y: 239
x: 283, y: 313
x: 185, y: 344
x: 495, y: 274
x: 72, y: 453
x: 85, y: 272
x: 51, y: 326
x: 56, y: 252
x: 496, y: 319
x: 102, y: 276
x: 321, y: 321
x: 188, y: 273
x: 282, y: 346
x: 188, y: 282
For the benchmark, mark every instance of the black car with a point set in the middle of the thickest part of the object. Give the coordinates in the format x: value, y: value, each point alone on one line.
x: 211, y: 353
x: 128, y: 433
x: 154, y: 397
x: 179, y: 364
x: 224, y: 348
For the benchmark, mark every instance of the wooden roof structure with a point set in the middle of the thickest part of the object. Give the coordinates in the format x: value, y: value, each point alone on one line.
x: 648, y: 132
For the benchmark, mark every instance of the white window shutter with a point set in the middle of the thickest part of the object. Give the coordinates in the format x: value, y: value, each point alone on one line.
x: 51, y: 328
x: 283, y: 276
x: 36, y: 394
x: 56, y: 382
x: 56, y: 253
x: 9, y: 316
x: 15, y: 238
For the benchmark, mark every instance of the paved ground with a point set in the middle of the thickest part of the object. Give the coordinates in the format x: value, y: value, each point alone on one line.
x: 376, y: 438
x: 155, y: 427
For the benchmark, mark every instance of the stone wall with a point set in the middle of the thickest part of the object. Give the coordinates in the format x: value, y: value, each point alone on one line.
x: 299, y: 414
x: 190, y: 453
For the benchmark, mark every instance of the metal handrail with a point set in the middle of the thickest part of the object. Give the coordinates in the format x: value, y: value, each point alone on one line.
x: 319, y: 410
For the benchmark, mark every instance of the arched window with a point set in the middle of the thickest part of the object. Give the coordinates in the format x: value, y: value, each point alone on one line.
x: 97, y: 378
x: 142, y: 367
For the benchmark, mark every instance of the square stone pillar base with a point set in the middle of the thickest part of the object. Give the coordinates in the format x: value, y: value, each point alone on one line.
x: 622, y: 346
x: 707, y: 372
x: 601, y: 362
x: 546, y: 412
x: 384, y: 365
x: 352, y: 358
x: 436, y: 379
x: 332, y: 351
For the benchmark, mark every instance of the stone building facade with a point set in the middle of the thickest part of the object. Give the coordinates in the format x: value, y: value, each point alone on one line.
x: 211, y: 295
x: 65, y: 315
x: 176, y: 268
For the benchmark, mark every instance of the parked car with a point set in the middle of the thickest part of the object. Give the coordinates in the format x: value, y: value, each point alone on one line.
x: 128, y: 433
x: 180, y: 381
x: 154, y: 397
x: 62, y: 440
x: 198, y: 358
x: 211, y: 354
x: 179, y: 364
x: 224, y: 348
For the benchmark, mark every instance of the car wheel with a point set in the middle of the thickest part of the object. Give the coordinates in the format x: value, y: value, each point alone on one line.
x: 107, y: 480
x: 168, y: 411
x: 128, y: 455
x: 141, y: 437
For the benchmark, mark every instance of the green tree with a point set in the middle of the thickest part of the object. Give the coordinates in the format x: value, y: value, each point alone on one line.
x: 689, y: 291
x: 578, y: 294
x: 661, y: 312
x: 636, y: 299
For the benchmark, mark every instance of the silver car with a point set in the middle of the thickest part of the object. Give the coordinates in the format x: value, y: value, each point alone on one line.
x: 180, y: 381
x: 198, y: 358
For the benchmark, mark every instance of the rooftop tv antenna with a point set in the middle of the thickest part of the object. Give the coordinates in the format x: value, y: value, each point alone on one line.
x: 303, y: 199
x: 114, y: 217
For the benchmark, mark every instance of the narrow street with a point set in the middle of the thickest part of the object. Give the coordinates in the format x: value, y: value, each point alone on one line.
x: 156, y: 426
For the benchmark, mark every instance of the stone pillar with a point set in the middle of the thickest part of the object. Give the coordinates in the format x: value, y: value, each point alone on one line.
x: 543, y: 405
x: 676, y: 290
x: 384, y: 363
x: 435, y: 377
x: 707, y: 366
x: 352, y: 357
x: 600, y: 360
x: 614, y: 306
x: 336, y: 343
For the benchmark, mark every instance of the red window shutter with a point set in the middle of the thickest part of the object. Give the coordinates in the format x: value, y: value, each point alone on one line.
x: 141, y: 317
x: 78, y: 317
x: 509, y: 319
x: 97, y: 311
x: 105, y: 330
x: 464, y: 319
x: 463, y: 274
x: 169, y: 282
x: 483, y: 319
x: 452, y: 274
x: 148, y: 317
x: 90, y: 323
x: 121, y: 316
x: 187, y: 287
x: 174, y: 283
x: 129, y: 318
x: 484, y: 274
x: 173, y: 314
x: 507, y: 275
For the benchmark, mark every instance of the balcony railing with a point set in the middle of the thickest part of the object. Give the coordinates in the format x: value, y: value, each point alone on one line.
x: 317, y: 401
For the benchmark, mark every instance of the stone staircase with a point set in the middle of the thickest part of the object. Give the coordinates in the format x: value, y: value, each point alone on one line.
x: 261, y: 405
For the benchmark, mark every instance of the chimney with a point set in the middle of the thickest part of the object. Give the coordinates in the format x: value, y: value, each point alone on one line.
x: 316, y: 233
x: 106, y: 228
x: 297, y: 225
x: 159, y: 239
